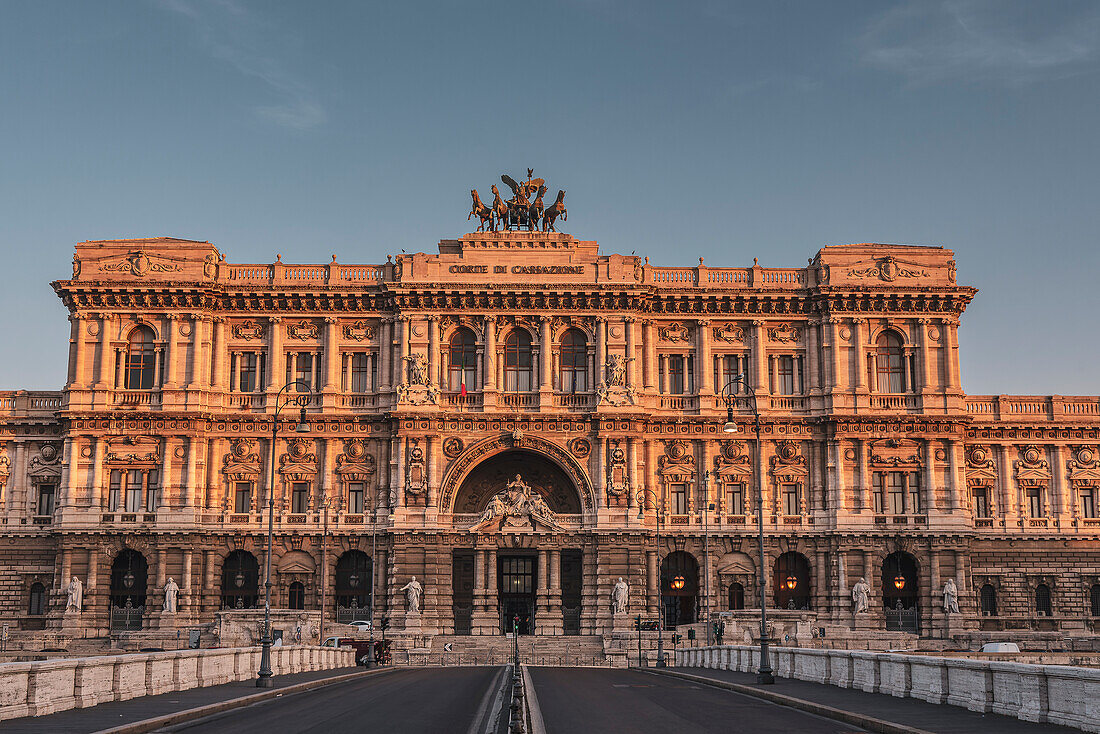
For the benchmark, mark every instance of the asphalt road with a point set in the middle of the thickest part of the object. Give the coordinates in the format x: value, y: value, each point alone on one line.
x: 579, y: 700
x: 414, y: 701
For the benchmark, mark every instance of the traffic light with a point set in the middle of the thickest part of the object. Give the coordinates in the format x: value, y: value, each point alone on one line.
x: 384, y: 623
x: 691, y: 633
x: 638, y: 623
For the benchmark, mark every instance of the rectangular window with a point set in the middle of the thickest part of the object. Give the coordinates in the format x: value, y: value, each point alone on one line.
x: 1035, y: 502
x: 879, y: 494
x: 727, y: 367
x: 152, y: 490
x: 114, y: 493
x: 679, y: 499
x: 360, y: 373
x: 355, y: 498
x: 786, y: 375
x: 299, y: 498
x: 299, y: 368
x: 248, y: 375
x: 790, y: 499
x: 45, y: 498
x: 242, y: 498
x: 981, y: 501
x: 735, y: 498
x: 1088, y: 503
x: 676, y: 374
x: 133, y: 491
x: 915, y: 505
x: 895, y: 492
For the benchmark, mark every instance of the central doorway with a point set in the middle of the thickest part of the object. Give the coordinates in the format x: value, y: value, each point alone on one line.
x: 516, y: 585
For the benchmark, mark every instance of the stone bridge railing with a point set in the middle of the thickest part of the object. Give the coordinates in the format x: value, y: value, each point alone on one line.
x: 1055, y: 694
x: 33, y: 689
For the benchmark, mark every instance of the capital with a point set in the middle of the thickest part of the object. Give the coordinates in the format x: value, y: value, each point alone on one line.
x: 274, y: 319
x: 331, y: 319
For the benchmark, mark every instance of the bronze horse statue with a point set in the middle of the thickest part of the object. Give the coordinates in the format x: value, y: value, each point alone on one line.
x: 482, y: 212
x: 534, y: 212
x: 500, y: 210
x: 555, y: 210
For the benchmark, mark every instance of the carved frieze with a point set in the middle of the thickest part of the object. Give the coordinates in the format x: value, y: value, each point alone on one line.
x: 785, y: 333
x: 248, y: 330
x: 138, y: 263
x: 888, y: 269
x: 675, y: 332
x: 896, y: 452
x: 358, y: 331
x: 302, y: 330
x: 729, y: 332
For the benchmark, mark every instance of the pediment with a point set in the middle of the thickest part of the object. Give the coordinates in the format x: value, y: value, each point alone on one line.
x: 896, y: 452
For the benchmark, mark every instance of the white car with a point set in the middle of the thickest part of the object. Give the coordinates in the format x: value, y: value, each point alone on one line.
x: 362, y: 625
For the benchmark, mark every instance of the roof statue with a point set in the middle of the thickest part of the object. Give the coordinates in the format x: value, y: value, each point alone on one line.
x: 523, y: 211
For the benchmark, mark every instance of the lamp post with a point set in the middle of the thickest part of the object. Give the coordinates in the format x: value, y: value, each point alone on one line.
x: 371, y: 661
x: 764, y: 674
x: 706, y: 555
x: 301, y: 399
x: 660, y: 591
x: 324, y: 566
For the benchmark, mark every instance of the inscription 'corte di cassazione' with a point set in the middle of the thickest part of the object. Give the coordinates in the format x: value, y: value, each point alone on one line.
x: 521, y: 269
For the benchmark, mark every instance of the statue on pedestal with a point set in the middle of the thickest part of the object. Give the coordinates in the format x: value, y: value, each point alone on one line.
x: 950, y: 597
x: 75, y: 601
x: 413, y: 590
x: 861, y: 595
x: 171, y: 596
x: 619, y: 597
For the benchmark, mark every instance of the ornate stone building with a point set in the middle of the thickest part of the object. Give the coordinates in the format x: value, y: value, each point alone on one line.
x: 435, y: 379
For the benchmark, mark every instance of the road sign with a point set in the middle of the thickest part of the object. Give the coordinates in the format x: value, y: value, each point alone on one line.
x: 448, y: 646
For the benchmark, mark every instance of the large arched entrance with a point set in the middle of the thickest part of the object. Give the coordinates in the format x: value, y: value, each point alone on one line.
x: 791, y: 581
x: 129, y: 582
x: 679, y: 587
x: 240, y: 580
x: 900, y: 592
x: 353, y: 586
x: 541, y: 473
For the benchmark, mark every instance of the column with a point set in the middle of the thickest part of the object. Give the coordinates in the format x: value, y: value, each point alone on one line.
x: 953, y: 485
x: 190, y: 479
x: 68, y: 473
x: 490, y: 359
x: 404, y: 325
x: 857, y: 354
x: 651, y: 582
x: 218, y: 380
x: 332, y: 356
x: 631, y: 469
x: 185, y: 582
x: 1062, y: 506
x: 200, y: 356
x: 208, y: 587
x: 171, y: 351
x: 275, y: 370
x: 166, y: 495
x: 836, y: 376
x: 704, y: 366
x: 432, y: 461
x: 385, y: 349
x: 862, y: 480
x: 924, y: 371
x: 928, y: 481
x: 649, y: 349
x: 813, y: 356
x: 544, y: 355
x: 102, y: 352
x: 95, y: 492
x: 492, y: 607
x: 433, y: 350
x: 949, y: 341
x: 760, y: 357
x: 631, y: 352
x: 92, y: 582
x: 601, y: 349
x: 934, y: 585
x: 77, y: 321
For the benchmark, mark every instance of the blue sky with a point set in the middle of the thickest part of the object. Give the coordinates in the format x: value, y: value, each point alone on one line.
x: 717, y: 129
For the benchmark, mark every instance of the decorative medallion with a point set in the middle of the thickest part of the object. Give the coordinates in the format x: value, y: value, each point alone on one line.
x: 674, y: 332
x: 729, y: 332
x: 302, y: 330
x: 888, y: 269
x: 248, y: 330
x: 452, y: 446
x: 358, y: 331
x: 580, y: 447
x: 140, y: 264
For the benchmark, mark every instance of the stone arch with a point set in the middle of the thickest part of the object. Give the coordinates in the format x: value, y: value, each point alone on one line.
x: 484, y: 450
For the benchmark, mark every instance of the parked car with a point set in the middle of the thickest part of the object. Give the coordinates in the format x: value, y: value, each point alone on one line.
x: 361, y: 647
x: 363, y: 625
x: 1000, y: 647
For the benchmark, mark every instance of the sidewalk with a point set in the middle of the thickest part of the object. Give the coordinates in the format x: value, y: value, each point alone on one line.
x: 941, y: 719
x: 117, y: 713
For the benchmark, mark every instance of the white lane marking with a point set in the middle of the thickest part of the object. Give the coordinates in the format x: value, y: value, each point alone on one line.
x: 483, y: 722
x: 538, y: 726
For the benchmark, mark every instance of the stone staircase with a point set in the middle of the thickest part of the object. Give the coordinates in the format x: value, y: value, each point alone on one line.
x: 497, y: 650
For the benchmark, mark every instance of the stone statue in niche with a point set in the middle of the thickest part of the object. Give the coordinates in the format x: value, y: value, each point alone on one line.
x: 413, y: 590
x: 171, y: 596
x: 950, y: 597
x: 861, y: 596
x: 75, y: 601
x: 619, y: 597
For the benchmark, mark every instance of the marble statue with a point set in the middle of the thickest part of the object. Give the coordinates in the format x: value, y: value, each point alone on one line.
x: 413, y: 590
x: 171, y: 596
x: 76, y: 596
x: 861, y: 595
x: 950, y: 597
x: 619, y: 597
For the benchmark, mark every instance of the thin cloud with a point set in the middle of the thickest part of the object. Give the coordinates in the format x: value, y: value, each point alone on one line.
x: 985, y: 40
x: 232, y: 33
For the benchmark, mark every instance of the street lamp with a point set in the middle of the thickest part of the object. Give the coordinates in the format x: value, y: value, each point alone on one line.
x: 764, y: 674
x: 791, y: 582
x: 707, y: 506
x: 301, y: 399
x: 899, y: 581
x: 678, y: 583
x: 660, y: 590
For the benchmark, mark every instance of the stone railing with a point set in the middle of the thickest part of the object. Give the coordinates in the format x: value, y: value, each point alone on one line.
x: 723, y: 278
x: 33, y: 689
x: 1055, y: 694
x: 1033, y: 407
x: 26, y: 403
x: 335, y: 274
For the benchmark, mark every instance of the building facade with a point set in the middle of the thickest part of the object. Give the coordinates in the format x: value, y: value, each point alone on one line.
x: 519, y: 421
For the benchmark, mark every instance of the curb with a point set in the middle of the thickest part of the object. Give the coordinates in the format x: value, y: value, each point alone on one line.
x: 179, y: 717
x: 867, y: 722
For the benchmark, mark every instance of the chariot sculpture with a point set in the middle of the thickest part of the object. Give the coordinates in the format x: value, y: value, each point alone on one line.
x: 525, y: 210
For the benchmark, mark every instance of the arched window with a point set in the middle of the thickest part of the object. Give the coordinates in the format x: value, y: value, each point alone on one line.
x: 240, y: 580
x: 737, y: 596
x: 462, y: 361
x: 679, y: 588
x: 1042, y: 600
x: 37, y: 603
x: 140, y: 360
x: 297, y: 598
x: 791, y: 581
x: 890, y: 362
x: 989, y: 601
x: 517, y: 362
x: 353, y: 586
x: 1094, y: 600
x: 573, y: 361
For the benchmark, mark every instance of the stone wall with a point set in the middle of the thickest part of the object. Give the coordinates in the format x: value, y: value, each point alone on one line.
x: 33, y: 689
x: 1055, y: 694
